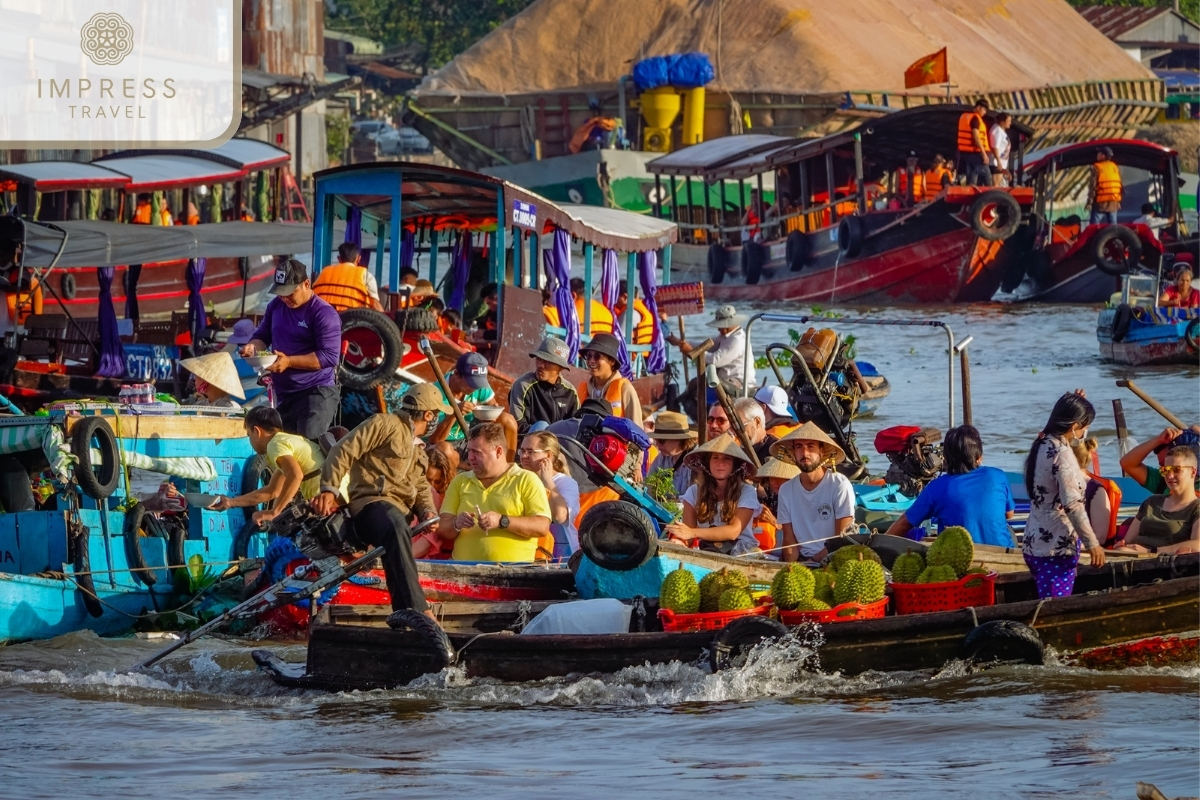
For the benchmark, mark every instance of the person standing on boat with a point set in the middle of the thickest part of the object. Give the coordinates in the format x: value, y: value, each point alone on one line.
x: 601, y: 356
x: 974, y: 153
x: 1105, y: 191
x: 728, y: 353
x: 346, y: 284
x: 719, y: 508
x: 1001, y: 148
x: 544, y: 395
x: 387, y: 484
x: 817, y: 504
x: 305, y: 333
x: 217, y: 381
x: 1169, y: 523
x: 1058, y: 519
x: 774, y: 403
x: 674, y: 440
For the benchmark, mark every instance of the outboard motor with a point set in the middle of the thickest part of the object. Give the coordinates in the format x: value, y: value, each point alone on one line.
x: 915, y: 456
x: 825, y: 389
x: 316, y: 536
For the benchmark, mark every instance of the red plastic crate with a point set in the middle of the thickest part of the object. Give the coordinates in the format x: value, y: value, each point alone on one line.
x: 846, y: 612
x: 711, y: 621
x: 923, y: 598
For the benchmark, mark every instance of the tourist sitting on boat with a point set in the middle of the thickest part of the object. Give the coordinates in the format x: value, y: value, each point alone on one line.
x: 439, y: 472
x: 754, y: 423
x: 305, y: 333
x: 719, y: 508
x: 1181, y: 294
x: 601, y: 356
x: 295, y: 464
x: 217, y: 381
x: 643, y: 322
x: 969, y: 494
x: 1169, y: 523
x: 911, y: 165
x: 1101, y: 497
x: 728, y: 353
x: 1058, y: 521
x: 488, y: 323
x: 717, y: 422
x: 937, y: 177
x: 347, y: 284
x: 1151, y: 219
x: 771, y: 477
x: 550, y: 309
x: 542, y: 455
x: 1151, y: 477
x: 469, y: 385
x: 497, y: 511
x: 817, y: 504
x: 774, y: 402
x: 387, y: 484
x: 674, y: 439
x: 544, y: 394
x: 602, y: 318
x: 143, y: 211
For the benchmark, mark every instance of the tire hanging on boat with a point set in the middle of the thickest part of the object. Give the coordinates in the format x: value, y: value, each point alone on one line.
x: 797, y: 251
x: 436, y: 638
x: 83, y: 575
x: 730, y: 645
x: 1116, y: 250
x: 134, y: 520
x: 1003, y: 640
x: 66, y: 285
x: 256, y: 474
x: 241, y: 542
x: 1121, y: 321
x: 617, y: 536
x: 417, y: 320
x: 96, y: 480
x: 850, y: 235
x: 995, y: 215
x: 1191, y: 336
x: 754, y: 256
x: 718, y: 262
x: 374, y: 349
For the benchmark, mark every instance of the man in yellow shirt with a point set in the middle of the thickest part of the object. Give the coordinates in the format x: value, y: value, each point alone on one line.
x: 497, y: 511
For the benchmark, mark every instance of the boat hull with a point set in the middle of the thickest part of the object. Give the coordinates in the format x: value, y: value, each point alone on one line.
x: 1147, y: 342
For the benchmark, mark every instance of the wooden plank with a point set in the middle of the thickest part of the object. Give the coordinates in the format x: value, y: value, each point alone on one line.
x: 174, y: 427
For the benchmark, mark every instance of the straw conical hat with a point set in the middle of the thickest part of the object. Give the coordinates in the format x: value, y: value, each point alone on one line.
x: 809, y: 431
x: 774, y: 468
x: 724, y: 444
x: 217, y: 369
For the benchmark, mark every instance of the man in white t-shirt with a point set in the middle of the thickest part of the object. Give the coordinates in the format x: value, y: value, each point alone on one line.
x: 817, y: 504
x: 1001, y: 149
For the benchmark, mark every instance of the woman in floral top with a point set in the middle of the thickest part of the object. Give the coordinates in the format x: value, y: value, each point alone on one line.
x: 1058, y: 517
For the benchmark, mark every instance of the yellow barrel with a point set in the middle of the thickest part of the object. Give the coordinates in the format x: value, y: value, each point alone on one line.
x: 660, y: 107
x: 693, y: 116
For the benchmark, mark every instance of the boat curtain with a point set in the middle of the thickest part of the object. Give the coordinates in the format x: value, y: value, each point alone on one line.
x: 354, y: 226
x: 408, y: 249
x: 610, y: 292
x: 132, y: 273
x: 262, y: 198
x: 656, y: 361
x: 460, y: 267
x: 112, y: 354
x: 557, y: 262
x: 197, y: 319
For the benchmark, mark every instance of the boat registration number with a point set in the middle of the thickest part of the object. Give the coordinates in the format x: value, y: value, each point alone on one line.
x: 150, y: 362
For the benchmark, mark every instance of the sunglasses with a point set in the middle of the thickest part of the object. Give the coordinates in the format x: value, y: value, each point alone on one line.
x: 1172, y: 470
x: 590, y: 357
x: 719, y: 420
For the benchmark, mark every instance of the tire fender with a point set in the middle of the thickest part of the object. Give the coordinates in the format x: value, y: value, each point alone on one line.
x: 754, y: 256
x: 1127, y: 238
x: 995, y: 215
x: 796, y: 251
x: 66, y: 285
x: 83, y: 576
x: 427, y: 629
x: 1191, y: 336
x: 134, y: 518
x: 617, y: 536
x: 733, y: 641
x: 850, y: 236
x: 362, y: 376
x: 1003, y: 640
x: 96, y: 480
x: 1121, y: 322
x: 718, y: 262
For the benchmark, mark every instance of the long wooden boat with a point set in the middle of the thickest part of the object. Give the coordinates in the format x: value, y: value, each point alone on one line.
x: 355, y: 649
x: 1140, y: 336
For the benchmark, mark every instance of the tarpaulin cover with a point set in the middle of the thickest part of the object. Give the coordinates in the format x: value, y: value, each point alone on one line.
x: 112, y: 354
x: 558, y: 274
x: 681, y: 70
x: 656, y: 361
x: 610, y: 292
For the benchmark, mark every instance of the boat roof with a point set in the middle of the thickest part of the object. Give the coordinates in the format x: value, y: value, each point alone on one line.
x: 445, y: 197
x: 92, y: 243
x: 59, y: 176
x: 700, y: 159
x: 1126, y: 152
x: 150, y: 172
x: 240, y: 153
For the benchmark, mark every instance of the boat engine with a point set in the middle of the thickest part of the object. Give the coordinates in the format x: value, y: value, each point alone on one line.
x: 915, y: 456
x: 315, y: 535
x: 825, y: 389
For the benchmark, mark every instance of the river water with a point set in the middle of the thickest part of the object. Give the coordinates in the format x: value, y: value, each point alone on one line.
x: 204, y: 723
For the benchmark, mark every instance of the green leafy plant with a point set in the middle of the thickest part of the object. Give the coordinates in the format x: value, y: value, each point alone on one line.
x: 660, y: 485
x: 199, y: 577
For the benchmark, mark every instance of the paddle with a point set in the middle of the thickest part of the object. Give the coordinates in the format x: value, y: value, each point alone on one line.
x: 1124, y: 442
x: 735, y: 422
x: 1150, y: 401
x: 427, y: 350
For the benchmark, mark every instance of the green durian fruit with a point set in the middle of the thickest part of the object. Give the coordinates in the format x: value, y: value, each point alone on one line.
x: 854, y: 552
x: 939, y: 573
x: 679, y: 592
x: 791, y: 585
x: 734, y: 578
x: 735, y: 599
x: 813, y: 605
x: 711, y: 586
x: 823, y: 586
x: 908, y: 567
x: 953, y: 547
x: 860, y: 582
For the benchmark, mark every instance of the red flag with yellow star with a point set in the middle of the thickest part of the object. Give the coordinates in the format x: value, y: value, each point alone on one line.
x: 930, y: 69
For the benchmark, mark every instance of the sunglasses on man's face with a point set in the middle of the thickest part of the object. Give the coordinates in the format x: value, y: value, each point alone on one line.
x: 1175, y: 469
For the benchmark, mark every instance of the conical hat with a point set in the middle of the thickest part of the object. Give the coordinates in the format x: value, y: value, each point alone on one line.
x: 217, y: 369
x: 774, y: 468
x: 783, y: 448
x: 724, y: 444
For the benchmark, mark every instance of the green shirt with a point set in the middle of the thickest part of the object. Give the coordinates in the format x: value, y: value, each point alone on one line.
x: 480, y: 397
x: 1155, y: 483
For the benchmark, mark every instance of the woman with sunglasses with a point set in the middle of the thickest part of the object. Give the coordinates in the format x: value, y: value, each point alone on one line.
x: 601, y: 356
x: 541, y: 454
x: 1169, y: 523
x: 719, y: 508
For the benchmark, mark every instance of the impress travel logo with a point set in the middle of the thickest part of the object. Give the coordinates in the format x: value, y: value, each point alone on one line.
x: 119, y: 73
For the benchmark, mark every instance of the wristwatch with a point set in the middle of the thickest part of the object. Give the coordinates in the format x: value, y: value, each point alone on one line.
x: 504, y: 520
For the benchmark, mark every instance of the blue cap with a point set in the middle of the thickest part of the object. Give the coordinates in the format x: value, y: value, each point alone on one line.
x: 472, y: 369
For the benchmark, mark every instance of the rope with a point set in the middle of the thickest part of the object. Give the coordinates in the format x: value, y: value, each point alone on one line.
x: 126, y: 613
x: 166, y: 566
x: 1037, y: 611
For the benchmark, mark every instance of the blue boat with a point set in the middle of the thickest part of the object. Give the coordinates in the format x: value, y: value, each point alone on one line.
x: 67, y: 565
x: 1137, y: 332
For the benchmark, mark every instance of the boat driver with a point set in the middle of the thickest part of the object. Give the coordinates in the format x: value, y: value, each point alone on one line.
x: 728, y: 354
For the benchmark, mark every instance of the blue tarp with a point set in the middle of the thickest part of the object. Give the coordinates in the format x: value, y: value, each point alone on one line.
x: 681, y: 70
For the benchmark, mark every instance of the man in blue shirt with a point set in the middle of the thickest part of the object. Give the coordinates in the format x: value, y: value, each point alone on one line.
x: 976, y: 497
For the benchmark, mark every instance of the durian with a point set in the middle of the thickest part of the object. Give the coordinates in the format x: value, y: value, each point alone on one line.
x: 939, y: 573
x: 859, y: 582
x: 711, y: 586
x: 908, y: 567
x: 735, y: 599
x: 854, y: 552
x: 823, y: 586
x: 679, y: 592
x: 813, y: 605
x: 792, y: 585
x: 953, y: 547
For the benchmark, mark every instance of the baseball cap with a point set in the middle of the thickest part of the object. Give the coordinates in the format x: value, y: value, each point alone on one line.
x: 1105, y: 151
x: 774, y: 398
x: 425, y: 397
x: 472, y: 369
x: 288, y: 276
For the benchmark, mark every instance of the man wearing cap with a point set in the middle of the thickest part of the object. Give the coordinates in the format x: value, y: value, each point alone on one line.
x: 469, y: 384
x: 217, y: 381
x: 387, y: 483
x: 674, y: 439
x: 774, y: 403
x: 346, y: 284
x: 601, y: 355
x: 1105, y: 191
x: 544, y: 395
x: 305, y: 334
x: 728, y: 353
x: 817, y: 504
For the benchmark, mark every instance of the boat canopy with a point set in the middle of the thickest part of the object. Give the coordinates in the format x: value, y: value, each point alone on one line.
x: 151, y: 172
x: 701, y: 160
x: 1126, y: 152
x: 60, y: 176
x: 244, y: 154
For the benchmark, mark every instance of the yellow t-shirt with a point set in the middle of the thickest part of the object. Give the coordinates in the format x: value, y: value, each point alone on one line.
x: 307, y: 454
x: 516, y: 493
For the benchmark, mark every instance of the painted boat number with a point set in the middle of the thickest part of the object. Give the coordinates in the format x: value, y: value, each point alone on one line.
x: 146, y: 362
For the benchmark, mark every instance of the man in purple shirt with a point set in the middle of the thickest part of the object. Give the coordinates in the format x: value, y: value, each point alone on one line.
x: 305, y: 332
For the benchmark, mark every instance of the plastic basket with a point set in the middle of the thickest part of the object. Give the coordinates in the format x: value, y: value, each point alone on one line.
x: 846, y: 612
x: 923, y: 598
x: 711, y: 621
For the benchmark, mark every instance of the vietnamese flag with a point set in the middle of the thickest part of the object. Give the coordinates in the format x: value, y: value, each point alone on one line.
x: 930, y: 69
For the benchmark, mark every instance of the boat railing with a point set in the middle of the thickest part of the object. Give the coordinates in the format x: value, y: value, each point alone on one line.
x: 805, y: 319
x: 804, y: 220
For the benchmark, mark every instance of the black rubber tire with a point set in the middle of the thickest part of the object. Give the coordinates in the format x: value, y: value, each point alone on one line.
x: 363, y: 376
x: 133, y: 546
x: 617, y: 536
x: 423, y: 626
x: 995, y: 215
x: 256, y: 474
x: 1003, y: 640
x: 1191, y: 336
x: 83, y: 576
x: 66, y: 286
x: 850, y: 236
x: 718, y: 262
x: 796, y: 252
x: 95, y: 483
x: 754, y: 257
x: 735, y: 640
x: 1119, y: 236
x: 175, y: 535
x: 241, y: 542
x: 417, y: 320
x: 1121, y: 322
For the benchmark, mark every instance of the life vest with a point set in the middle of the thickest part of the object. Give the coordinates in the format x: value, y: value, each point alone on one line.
x: 918, y: 185
x: 22, y: 304
x: 589, y: 499
x: 1114, y: 504
x: 141, y: 215
x: 343, y: 286
x: 247, y: 217
x: 551, y: 315
x: 602, y: 318
x: 966, y: 141
x: 753, y: 223
x: 766, y: 534
x: 612, y: 393
x: 1108, y: 182
x: 780, y: 431
x: 643, y: 329
x: 935, y: 179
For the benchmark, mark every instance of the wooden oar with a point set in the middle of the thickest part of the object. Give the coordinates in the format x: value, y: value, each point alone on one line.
x: 1150, y: 401
x: 427, y: 350
x: 735, y: 422
x: 1124, y: 443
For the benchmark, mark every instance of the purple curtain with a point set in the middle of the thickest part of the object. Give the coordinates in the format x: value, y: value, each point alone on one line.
x: 460, y: 259
x: 408, y: 248
x: 112, y: 354
x: 197, y: 319
x: 132, y: 273
x: 610, y: 291
x: 656, y: 361
x: 558, y: 270
x: 364, y: 258
x: 354, y: 226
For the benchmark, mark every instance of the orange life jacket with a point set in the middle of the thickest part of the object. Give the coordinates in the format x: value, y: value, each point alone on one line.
x: 343, y: 286
x: 766, y: 535
x: 643, y: 328
x: 550, y: 313
x: 612, y: 393
x: 935, y: 179
x: 247, y: 217
x: 602, y: 318
x: 966, y: 141
x: 1108, y: 182
x: 780, y: 431
x: 1114, y: 506
x: 918, y: 185
x: 141, y: 215
x: 589, y: 499
x: 22, y: 304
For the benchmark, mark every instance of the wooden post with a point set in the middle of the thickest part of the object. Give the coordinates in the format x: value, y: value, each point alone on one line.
x: 631, y: 287
x: 966, y: 386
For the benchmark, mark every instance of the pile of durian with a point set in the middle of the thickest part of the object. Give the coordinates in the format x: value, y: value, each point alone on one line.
x: 948, y: 559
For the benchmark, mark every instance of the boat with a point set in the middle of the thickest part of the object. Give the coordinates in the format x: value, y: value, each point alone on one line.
x: 1138, y: 332
x: 355, y: 649
x: 845, y: 231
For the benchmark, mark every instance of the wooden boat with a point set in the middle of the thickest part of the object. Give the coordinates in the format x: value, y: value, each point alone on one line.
x: 1138, y: 332
x: 355, y: 649
x: 463, y: 581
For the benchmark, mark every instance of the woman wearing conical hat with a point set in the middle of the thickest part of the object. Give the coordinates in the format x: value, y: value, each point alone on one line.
x: 217, y: 381
x: 817, y: 504
x: 719, y: 507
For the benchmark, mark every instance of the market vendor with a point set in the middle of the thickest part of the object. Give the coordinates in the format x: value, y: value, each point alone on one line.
x: 217, y: 381
x: 471, y: 389
x: 305, y: 333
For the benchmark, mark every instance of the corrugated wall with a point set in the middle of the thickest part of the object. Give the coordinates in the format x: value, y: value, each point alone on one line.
x: 284, y: 37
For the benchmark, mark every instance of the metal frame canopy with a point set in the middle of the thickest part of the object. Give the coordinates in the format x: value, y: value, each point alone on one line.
x: 707, y: 158
x: 1126, y: 152
x: 61, y: 176
x: 151, y: 172
x: 251, y: 155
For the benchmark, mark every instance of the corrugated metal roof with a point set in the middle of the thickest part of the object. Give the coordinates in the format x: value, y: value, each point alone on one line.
x: 1114, y: 21
x: 700, y: 158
